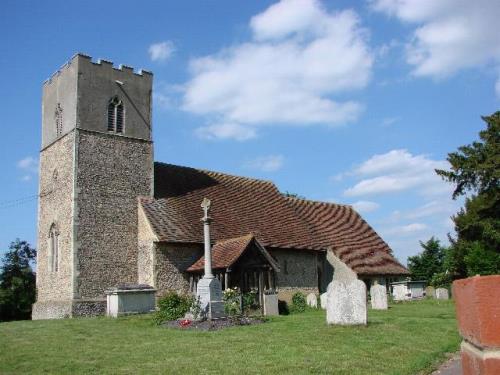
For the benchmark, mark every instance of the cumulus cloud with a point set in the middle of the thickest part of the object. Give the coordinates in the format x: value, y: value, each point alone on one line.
x: 405, y: 230
x: 396, y: 171
x: 29, y: 167
x: 449, y: 35
x: 299, y: 57
x: 365, y: 206
x: 269, y: 163
x: 161, y: 51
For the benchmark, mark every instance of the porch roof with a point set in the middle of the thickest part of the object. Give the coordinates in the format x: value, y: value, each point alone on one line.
x: 227, y: 252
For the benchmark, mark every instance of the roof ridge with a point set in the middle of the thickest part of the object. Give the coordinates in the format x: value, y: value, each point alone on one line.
x: 312, y: 201
x: 224, y: 240
x: 219, y: 173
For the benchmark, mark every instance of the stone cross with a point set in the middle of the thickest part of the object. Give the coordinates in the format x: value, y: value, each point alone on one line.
x: 206, y: 231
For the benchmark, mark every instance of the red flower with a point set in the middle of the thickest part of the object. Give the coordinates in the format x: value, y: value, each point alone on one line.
x: 185, y: 322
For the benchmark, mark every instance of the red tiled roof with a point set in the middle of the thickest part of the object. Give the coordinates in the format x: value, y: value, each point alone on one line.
x: 240, y: 206
x: 243, y: 205
x: 225, y: 253
x: 341, y: 228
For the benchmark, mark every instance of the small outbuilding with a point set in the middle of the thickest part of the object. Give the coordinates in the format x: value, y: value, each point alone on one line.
x: 408, y: 290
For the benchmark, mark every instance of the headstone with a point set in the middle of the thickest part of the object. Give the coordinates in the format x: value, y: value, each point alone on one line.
x: 271, y: 304
x: 312, y: 300
x: 346, y: 303
x: 430, y: 292
x: 442, y: 293
x: 378, y: 297
x: 399, y: 292
x: 323, y: 299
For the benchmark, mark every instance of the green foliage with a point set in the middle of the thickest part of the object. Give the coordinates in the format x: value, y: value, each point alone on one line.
x: 173, y: 306
x: 429, y: 262
x: 293, y: 195
x: 232, y: 301
x: 475, y: 168
x: 17, y: 282
x: 299, y: 303
x: 249, y: 301
x: 409, y: 338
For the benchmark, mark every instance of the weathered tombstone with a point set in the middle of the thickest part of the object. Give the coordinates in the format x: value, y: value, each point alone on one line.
x: 312, y: 300
x: 378, y: 296
x: 130, y: 299
x: 323, y: 299
x: 271, y: 304
x: 346, y: 303
x: 430, y: 292
x: 442, y: 293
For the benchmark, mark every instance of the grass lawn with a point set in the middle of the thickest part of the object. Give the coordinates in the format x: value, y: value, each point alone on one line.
x: 409, y: 338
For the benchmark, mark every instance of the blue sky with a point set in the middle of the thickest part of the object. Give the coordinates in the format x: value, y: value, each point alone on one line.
x: 347, y: 101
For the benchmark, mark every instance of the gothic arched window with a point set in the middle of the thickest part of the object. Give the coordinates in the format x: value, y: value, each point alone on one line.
x: 58, y: 118
x: 116, y: 116
x: 53, y: 258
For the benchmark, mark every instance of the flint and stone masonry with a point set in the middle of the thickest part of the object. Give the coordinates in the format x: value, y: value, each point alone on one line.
x: 90, y: 179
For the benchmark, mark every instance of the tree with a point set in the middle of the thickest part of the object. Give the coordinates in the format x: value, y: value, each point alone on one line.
x: 429, y: 262
x: 17, y: 282
x: 475, y: 170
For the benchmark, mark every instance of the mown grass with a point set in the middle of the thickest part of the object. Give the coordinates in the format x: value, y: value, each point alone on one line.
x: 409, y: 338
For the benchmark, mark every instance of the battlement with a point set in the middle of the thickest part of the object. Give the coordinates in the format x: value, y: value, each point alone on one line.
x: 105, y: 64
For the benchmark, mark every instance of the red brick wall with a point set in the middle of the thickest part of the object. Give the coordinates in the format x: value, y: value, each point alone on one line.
x: 478, y: 313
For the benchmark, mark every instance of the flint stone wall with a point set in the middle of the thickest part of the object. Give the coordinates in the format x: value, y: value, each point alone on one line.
x: 170, y: 264
x: 346, y: 303
x: 112, y: 172
x: 55, y: 207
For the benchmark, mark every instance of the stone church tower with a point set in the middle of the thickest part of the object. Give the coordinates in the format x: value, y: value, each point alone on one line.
x: 96, y: 159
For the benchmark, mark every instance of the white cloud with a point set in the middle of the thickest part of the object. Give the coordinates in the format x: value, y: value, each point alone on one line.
x: 450, y: 35
x: 396, y: 171
x: 388, y: 121
x: 365, y: 206
x: 269, y: 163
x: 226, y: 131
x: 29, y: 167
x: 433, y: 208
x: 161, y: 51
x: 299, y: 57
x: 405, y: 230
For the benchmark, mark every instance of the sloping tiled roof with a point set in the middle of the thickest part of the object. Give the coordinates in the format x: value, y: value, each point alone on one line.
x: 243, y: 205
x: 239, y: 206
x: 350, y: 237
x: 226, y: 252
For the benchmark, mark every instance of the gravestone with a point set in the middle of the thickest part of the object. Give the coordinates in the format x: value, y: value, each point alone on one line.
x: 442, y: 293
x: 271, y: 304
x: 323, y: 299
x: 312, y: 300
x: 130, y: 299
x: 346, y: 303
x: 378, y: 297
x: 430, y: 292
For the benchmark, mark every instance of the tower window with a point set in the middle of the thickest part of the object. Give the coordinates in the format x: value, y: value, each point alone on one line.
x: 58, y: 118
x: 53, y: 249
x: 116, y: 116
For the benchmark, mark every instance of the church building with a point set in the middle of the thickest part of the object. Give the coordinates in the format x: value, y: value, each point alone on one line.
x: 110, y: 215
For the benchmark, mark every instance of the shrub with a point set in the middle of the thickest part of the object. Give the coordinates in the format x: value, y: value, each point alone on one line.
x: 299, y: 303
x: 249, y: 300
x: 173, y: 306
x: 232, y: 301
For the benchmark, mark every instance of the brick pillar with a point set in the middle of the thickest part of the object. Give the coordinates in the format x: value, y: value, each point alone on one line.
x: 478, y: 312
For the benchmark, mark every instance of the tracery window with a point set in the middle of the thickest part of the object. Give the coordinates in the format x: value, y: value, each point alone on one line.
x: 116, y: 115
x: 53, y: 249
